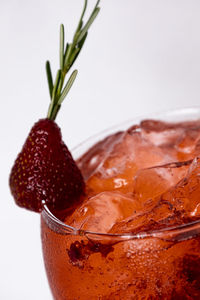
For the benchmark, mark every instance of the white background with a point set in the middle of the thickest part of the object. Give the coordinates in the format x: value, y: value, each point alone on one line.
x: 140, y: 56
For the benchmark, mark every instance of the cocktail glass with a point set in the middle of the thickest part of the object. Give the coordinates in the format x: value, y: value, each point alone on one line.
x: 156, y: 264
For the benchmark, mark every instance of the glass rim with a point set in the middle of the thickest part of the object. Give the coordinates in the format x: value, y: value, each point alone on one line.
x: 155, y: 115
x: 171, y: 232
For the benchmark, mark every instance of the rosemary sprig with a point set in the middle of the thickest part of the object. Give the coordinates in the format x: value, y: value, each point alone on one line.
x: 68, y: 54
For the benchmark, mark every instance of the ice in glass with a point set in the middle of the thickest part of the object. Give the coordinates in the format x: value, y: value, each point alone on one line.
x: 136, y: 233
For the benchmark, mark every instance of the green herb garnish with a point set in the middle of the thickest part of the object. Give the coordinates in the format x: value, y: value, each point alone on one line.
x: 68, y: 54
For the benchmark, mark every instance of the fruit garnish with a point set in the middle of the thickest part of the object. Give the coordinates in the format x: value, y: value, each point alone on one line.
x: 44, y: 171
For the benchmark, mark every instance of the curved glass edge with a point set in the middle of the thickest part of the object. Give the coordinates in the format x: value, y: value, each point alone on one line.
x: 175, y: 233
x: 172, y: 234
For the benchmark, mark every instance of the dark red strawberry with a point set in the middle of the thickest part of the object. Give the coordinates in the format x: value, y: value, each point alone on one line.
x: 45, y: 170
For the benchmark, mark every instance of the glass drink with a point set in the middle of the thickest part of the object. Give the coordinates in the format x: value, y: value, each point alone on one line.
x: 151, y: 251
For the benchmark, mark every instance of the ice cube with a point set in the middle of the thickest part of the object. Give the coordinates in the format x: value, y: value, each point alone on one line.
x: 99, y: 213
x: 158, y: 217
x: 95, y: 156
x: 161, y: 133
x: 181, y: 140
x: 131, y: 153
x: 185, y: 195
x: 152, y: 182
x: 189, y: 144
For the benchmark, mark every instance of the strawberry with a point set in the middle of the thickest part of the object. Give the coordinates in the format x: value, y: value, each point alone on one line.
x: 45, y: 170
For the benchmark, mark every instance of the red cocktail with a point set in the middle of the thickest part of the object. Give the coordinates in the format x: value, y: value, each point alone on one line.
x: 122, y: 222
x: 136, y: 233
